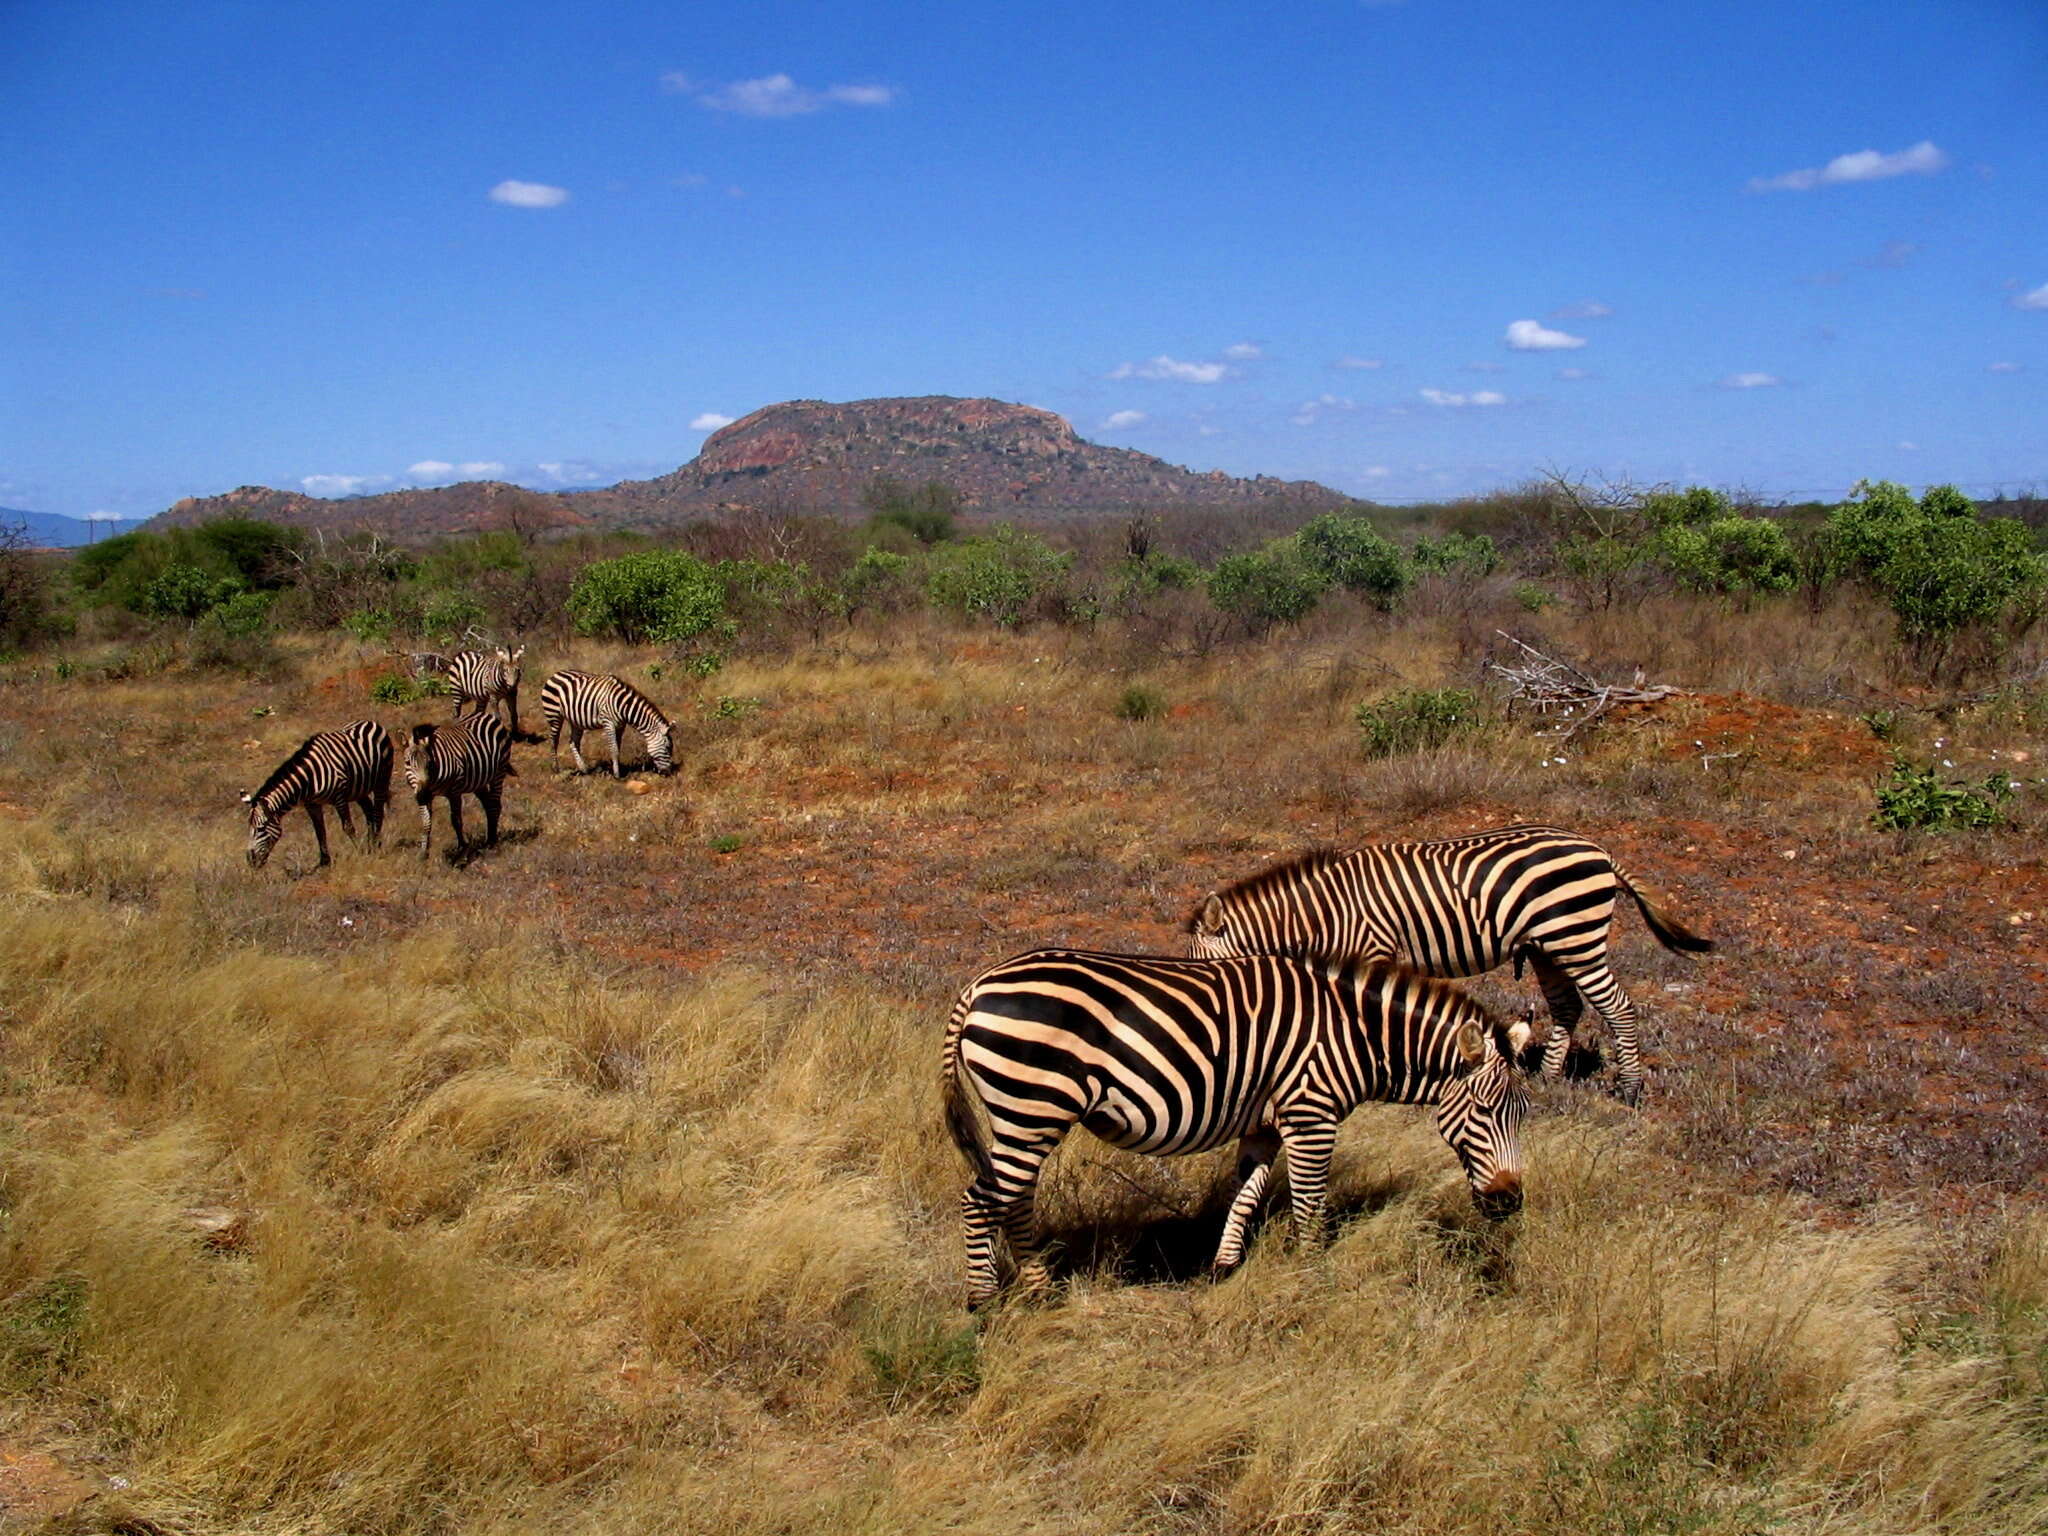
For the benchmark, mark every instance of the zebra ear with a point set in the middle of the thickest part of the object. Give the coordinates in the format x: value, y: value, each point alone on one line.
x: 1210, y: 918
x: 1513, y: 1039
x: 248, y: 797
x: 1471, y: 1042
x: 519, y: 653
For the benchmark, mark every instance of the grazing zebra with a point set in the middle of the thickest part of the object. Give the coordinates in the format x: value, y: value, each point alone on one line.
x: 471, y: 757
x: 1163, y: 1055
x: 1456, y: 906
x: 333, y: 768
x: 584, y: 701
x: 481, y: 679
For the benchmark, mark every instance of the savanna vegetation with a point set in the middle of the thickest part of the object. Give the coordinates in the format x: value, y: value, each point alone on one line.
x: 598, y: 1183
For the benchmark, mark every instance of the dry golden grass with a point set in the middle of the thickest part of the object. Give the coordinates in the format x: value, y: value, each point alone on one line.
x: 599, y: 1185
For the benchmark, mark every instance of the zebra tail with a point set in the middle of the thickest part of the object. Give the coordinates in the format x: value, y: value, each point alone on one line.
x: 1665, y: 928
x: 962, y: 1101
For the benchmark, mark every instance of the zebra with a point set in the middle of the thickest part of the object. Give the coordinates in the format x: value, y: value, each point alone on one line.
x: 585, y: 702
x: 1457, y: 906
x: 471, y: 757
x: 480, y: 679
x: 1164, y: 1055
x: 333, y: 768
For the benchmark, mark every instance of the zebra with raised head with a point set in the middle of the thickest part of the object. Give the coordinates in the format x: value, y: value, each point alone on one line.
x: 480, y: 680
x: 1457, y: 906
x: 583, y: 701
x: 1162, y: 1055
x: 471, y: 757
x: 337, y: 768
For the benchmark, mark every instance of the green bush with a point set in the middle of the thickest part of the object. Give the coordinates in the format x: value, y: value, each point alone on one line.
x: 1946, y: 573
x: 927, y: 513
x: 405, y: 690
x: 1139, y: 702
x: 662, y: 596
x: 242, y: 616
x: 1417, y: 718
x: 1349, y: 552
x: 370, y: 626
x: 998, y: 576
x: 1733, y: 556
x: 1473, y: 556
x: 1274, y: 585
x: 1532, y: 597
x: 184, y: 591
x: 448, y: 615
x: 1918, y: 797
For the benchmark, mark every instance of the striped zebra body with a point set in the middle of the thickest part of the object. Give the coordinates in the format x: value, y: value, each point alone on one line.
x: 583, y: 701
x: 471, y: 757
x: 1164, y: 1056
x: 337, y: 768
x: 481, y: 680
x: 1456, y: 906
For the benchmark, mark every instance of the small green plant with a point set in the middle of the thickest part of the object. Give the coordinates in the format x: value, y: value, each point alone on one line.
x: 1914, y: 798
x: 923, y: 1360
x: 1532, y: 597
x: 1417, y: 718
x: 370, y: 626
x: 66, y: 669
x: 39, y: 1331
x: 405, y: 690
x: 1883, y: 723
x: 1139, y: 702
x: 727, y: 842
x: 729, y: 707
x: 704, y: 663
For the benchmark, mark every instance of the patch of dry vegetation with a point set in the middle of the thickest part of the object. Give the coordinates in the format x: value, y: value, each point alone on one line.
x: 599, y: 1184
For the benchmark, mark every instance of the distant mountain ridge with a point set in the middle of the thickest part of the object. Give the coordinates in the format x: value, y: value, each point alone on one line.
x: 809, y: 456
x: 53, y: 530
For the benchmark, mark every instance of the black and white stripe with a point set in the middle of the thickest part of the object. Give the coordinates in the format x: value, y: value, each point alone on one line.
x: 1456, y: 906
x: 1165, y: 1056
x: 337, y: 768
x: 584, y: 701
x: 471, y: 757
x: 480, y: 680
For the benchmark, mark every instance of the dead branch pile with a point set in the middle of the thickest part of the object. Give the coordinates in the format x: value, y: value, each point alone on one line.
x: 1562, y: 694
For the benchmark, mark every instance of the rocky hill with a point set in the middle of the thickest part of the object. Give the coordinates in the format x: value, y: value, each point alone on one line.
x: 811, y: 456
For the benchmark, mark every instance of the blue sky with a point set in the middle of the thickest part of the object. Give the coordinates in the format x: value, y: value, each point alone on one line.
x: 1409, y: 249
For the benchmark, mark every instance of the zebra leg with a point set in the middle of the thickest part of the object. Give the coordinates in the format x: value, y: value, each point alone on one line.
x: 1007, y: 1202
x: 512, y: 707
x: 612, y: 732
x: 426, y: 824
x: 319, y: 819
x: 455, y: 822
x: 373, y: 817
x: 1255, y: 1166
x: 1309, y: 1141
x: 490, y: 803
x: 1597, y: 984
x: 576, y: 748
x: 348, y: 821
x: 1565, y: 1008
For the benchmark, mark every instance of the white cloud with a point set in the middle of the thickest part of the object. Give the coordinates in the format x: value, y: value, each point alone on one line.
x: 2005, y: 368
x: 1170, y: 368
x: 341, y: 485
x: 1243, y: 351
x: 1533, y: 336
x: 430, y: 469
x: 1584, y: 309
x: 478, y: 468
x: 776, y: 95
x: 711, y: 421
x: 1907, y: 445
x: 1573, y: 373
x: 1751, y: 381
x: 1116, y: 421
x: 572, y: 471
x: 1307, y: 413
x: 2038, y: 299
x: 104, y: 517
x: 1893, y: 253
x: 1477, y: 397
x: 529, y: 194
x: 1349, y: 361
x: 1375, y: 472
x: 1923, y: 159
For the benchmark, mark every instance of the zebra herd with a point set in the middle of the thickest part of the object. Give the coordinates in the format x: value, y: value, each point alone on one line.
x: 1308, y: 989
x: 1311, y: 988
x: 471, y: 756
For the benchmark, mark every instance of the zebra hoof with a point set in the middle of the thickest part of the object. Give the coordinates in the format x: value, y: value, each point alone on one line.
x: 1630, y: 1091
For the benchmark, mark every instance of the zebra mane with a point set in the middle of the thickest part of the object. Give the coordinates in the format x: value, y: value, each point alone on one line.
x: 1287, y: 872
x: 283, y: 769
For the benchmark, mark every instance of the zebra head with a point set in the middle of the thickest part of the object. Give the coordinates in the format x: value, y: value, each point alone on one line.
x: 264, y: 829
x: 419, y: 754
x: 1480, y: 1114
x: 660, y: 748
x: 508, y: 665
